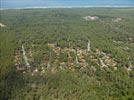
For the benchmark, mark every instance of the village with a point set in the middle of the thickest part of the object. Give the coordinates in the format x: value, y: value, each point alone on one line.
x: 76, y: 59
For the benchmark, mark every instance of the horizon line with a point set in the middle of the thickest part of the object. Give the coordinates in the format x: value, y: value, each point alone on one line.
x: 45, y: 7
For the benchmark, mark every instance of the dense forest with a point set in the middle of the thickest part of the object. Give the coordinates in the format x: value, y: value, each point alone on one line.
x: 67, y: 54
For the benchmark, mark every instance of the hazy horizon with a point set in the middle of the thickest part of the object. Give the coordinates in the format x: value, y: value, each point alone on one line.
x: 62, y: 3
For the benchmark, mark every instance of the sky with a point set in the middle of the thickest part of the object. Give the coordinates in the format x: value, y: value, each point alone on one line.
x: 45, y: 3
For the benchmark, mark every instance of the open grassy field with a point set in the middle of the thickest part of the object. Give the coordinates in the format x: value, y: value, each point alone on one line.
x: 67, y: 54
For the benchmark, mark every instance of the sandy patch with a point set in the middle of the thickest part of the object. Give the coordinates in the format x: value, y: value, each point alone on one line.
x: 93, y: 18
x: 2, y: 25
x: 117, y: 19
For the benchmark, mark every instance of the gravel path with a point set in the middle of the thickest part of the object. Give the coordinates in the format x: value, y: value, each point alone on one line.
x: 25, y: 57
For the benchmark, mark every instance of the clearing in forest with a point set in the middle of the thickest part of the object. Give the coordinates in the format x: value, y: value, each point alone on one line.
x: 2, y: 25
x: 93, y: 18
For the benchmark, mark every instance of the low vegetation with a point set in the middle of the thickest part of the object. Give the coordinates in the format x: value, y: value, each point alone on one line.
x: 67, y: 54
